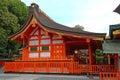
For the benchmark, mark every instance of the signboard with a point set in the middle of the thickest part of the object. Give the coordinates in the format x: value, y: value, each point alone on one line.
x: 111, y: 46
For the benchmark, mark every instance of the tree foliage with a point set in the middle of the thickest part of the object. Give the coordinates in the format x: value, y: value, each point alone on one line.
x: 78, y: 27
x: 3, y: 41
x: 13, y: 14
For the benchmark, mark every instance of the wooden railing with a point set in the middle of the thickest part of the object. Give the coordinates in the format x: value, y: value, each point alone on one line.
x: 102, y: 68
x: 42, y: 67
x: 109, y: 76
x: 56, y: 67
x: 46, y: 67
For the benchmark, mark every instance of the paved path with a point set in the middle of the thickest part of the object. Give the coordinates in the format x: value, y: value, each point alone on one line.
x: 44, y: 77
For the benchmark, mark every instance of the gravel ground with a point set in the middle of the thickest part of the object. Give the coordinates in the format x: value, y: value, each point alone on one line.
x: 66, y: 78
x: 44, y: 77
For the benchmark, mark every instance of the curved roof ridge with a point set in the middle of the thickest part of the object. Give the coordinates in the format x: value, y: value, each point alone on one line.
x: 49, y: 24
x: 56, y: 25
x: 37, y: 7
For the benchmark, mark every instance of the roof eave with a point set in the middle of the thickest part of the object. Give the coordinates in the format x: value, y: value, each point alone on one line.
x: 12, y: 37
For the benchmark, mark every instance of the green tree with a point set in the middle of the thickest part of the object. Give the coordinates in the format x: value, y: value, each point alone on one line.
x: 13, y: 14
x: 3, y: 42
x: 19, y: 9
x: 78, y: 27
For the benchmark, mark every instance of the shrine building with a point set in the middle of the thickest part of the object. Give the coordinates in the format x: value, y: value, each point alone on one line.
x: 50, y: 47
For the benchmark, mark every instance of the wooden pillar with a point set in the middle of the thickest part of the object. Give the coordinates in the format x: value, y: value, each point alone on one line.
x: 51, y: 47
x: 89, y: 51
x: 116, y: 58
x: 64, y: 50
x: 23, y: 53
x: 24, y: 46
x: 108, y: 58
x: 23, y: 39
x: 118, y: 62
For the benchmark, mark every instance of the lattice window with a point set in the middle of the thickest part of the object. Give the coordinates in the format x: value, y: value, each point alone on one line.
x: 33, y: 55
x: 45, y: 54
x: 34, y: 42
x: 47, y: 41
x: 44, y: 48
x: 33, y: 49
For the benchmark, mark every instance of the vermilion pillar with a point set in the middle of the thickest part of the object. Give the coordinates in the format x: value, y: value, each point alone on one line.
x: 89, y: 51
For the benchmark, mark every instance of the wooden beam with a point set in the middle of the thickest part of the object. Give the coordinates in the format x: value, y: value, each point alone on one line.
x: 70, y: 42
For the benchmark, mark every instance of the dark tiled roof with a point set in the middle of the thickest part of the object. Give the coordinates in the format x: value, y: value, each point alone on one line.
x: 49, y: 24
x: 113, y: 28
x: 117, y: 9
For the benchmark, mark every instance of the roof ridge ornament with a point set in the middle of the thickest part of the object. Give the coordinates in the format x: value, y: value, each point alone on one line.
x: 34, y: 4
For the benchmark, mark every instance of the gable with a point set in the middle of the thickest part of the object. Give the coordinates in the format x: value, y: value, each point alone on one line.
x: 40, y: 44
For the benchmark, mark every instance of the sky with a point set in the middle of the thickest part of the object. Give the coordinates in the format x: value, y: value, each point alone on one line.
x: 93, y: 15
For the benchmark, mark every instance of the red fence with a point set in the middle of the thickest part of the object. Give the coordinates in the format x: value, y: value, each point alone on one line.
x: 56, y: 67
x: 46, y: 67
x: 102, y: 68
x: 109, y: 76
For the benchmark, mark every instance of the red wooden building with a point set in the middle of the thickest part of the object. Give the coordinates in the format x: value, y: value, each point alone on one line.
x: 49, y: 47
